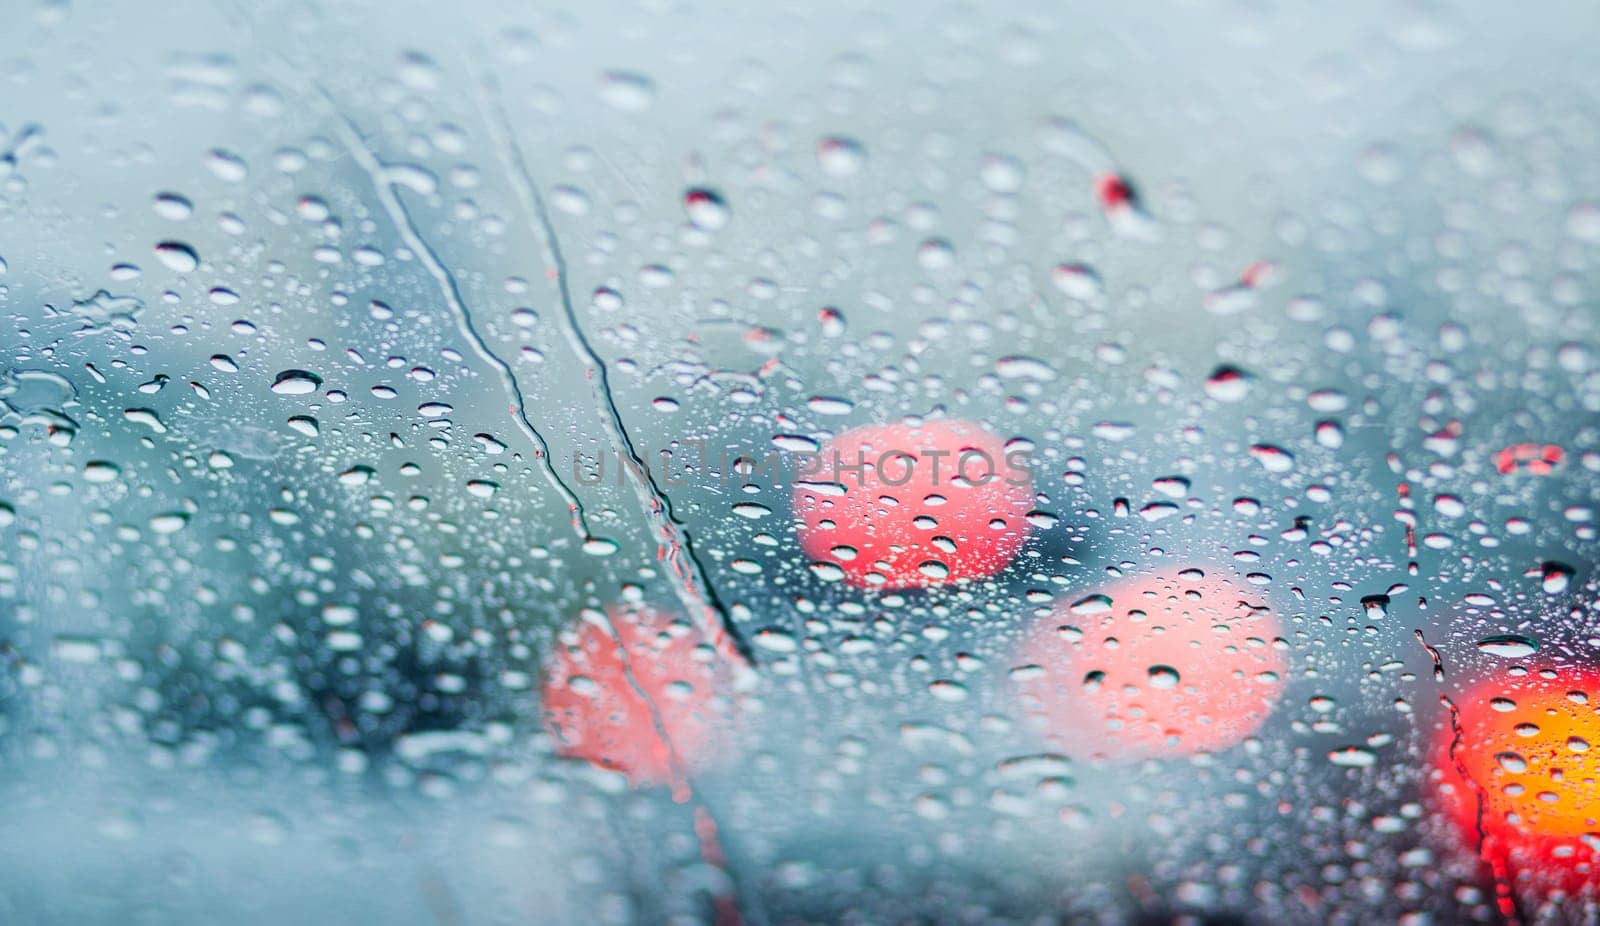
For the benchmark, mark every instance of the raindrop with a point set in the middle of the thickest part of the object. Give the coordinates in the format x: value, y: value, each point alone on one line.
x: 776, y: 641
x: 840, y: 157
x: 356, y: 476
x: 339, y: 615
x: 296, y: 382
x: 100, y: 471
x: 1113, y: 431
x: 795, y: 443
x: 1077, y: 281
x: 173, y: 207
x: 829, y: 405
x: 103, y: 310
x: 706, y: 208
x: 177, y: 256
x: 1163, y: 677
x: 1273, y: 459
x: 1228, y: 384
x: 227, y: 166
x: 75, y: 648
x: 1092, y: 604
x: 305, y: 425
x: 1353, y: 757
x: 1157, y: 511
x: 168, y: 523
x: 1508, y: 645
x: 146, y: 417
x: 1024, y: 368
x: 1555, y: 577
x: 627, y: 91
x: 312, y: 209
x: 1328, y: 401
x: 1001, y: 173
x: 935, y: 254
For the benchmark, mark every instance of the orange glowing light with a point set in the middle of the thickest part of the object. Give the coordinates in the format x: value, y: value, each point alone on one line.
x: 1521, y: 761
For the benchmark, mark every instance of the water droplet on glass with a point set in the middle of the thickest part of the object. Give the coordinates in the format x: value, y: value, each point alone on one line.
x: 627, y: 91
x: 1228, y: 384
x: 100, y: 471
x: 1555, y: 577
x: 1025, y: 368
x: 177, y: 256
x: 1508, y: 645
x: 168, y: 523
x: 227, y: 166
x: 1353, y: 757
x: 935, y: 254
x: 1272, y: 458
x: 1163, y: 677
x: 751, y: 510
x: 173, y: 207
x: 1092, y: 604
x: 296, y: 382
x: 830, y: 405
x: 1077, y: 281
x: 706, y: 208
x: 840, y: 157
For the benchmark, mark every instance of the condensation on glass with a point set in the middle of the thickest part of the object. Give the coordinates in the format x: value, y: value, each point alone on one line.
x: 470, y: 463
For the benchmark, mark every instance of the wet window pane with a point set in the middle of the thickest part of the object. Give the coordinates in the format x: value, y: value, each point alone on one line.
x: 476, y: 463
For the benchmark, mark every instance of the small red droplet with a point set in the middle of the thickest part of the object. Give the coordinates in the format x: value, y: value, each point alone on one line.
x: 1257, y: 273
x: 1113, y: 191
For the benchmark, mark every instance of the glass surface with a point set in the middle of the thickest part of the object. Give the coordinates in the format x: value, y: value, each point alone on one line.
x: 475, y: 462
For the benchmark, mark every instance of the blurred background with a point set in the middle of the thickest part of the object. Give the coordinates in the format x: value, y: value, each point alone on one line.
x: 318, y: 321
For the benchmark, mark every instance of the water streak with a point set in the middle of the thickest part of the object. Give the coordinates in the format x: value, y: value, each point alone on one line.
x: 400, y: 216
x: 694, y: 589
